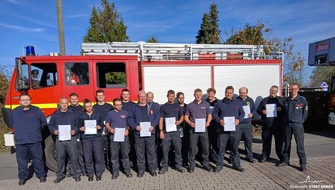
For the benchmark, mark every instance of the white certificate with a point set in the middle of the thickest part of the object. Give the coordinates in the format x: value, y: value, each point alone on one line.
x: 229, y: 123
x: 271, y: 110
x: 64, y: 132
x: 119, y: 134
x: 145, y: 126
x: 90, y: 127
x: 200, y: 125
x: 211, y: 109
x: 246, y: 110
x: 170, y: 124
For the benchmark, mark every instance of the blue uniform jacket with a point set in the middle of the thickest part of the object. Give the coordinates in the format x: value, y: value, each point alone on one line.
x: 250, y: 102
x: 28, y: 124
x: 296, y: 109
x: 60, y: 118
x: 228, y: 108
x: 94, y: 116
x: 135, y: 117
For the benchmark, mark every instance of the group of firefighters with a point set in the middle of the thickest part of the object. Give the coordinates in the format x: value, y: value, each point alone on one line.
x: 146, y: 133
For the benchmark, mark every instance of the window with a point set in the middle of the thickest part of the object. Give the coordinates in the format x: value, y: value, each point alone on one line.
x: 43, y: 75
x: 76, y: 73
x: 111, y: 75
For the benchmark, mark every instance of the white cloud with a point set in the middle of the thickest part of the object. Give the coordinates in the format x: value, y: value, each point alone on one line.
x: 21, y: 28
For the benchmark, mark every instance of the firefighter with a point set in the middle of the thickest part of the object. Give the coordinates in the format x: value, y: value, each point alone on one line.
x: 198, y: 109
x: 212, y: 129
x: 145, y: 146
x: 92, y: 143
x: 184, y: 130
x: 245, y: 127
x: 76, y: 107
x: 228, y: 107
x: 102, y: 107
x: 117, y: 118
x: 65, y: 116
x: 272, y: 124
x: 28, y: 122
x: 296, y: 108
x: 171, y: 110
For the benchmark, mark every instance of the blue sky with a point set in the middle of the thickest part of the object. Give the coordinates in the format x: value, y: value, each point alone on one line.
x: 34, y: 22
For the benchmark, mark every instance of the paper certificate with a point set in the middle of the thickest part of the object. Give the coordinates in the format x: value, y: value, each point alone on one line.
x: 170, y: 124
x: 90, y: 127
x: 246, y: 110
x: 119, y: 135
x: 64, y: 132
x: 229, y: 123
x: 200, y: 125
x: 145, y: 126
x: 271, y: 110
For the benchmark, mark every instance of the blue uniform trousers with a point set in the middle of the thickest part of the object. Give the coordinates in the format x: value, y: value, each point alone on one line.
x: 69, y: 148
x: 297, y: 130
x: 174, y: 139
x: 115, y: 148
x: 25, y: 152
x: 93, y: 154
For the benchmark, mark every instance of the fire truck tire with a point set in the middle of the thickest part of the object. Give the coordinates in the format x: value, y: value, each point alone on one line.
x: 50, y: 153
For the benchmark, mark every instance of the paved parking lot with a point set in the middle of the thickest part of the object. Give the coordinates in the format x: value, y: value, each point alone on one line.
x: 320, y: 148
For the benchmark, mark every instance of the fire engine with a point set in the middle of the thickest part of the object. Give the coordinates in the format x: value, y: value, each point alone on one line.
x: 155, y: 67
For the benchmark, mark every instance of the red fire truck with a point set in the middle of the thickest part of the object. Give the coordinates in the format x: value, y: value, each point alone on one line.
x: 155, y: 67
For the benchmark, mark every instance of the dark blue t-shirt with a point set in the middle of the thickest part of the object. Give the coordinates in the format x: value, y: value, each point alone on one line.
x: 127, y: 105
x: 103, y: 109
x: 117, y: 119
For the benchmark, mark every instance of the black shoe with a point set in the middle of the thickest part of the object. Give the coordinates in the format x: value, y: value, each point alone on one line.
x: 22, y: 181
x: 239, y: 168
x: 251, y: 160
x: 77, y: 179
x: 115, y: 176
x: 163, y: 171
x: 58, y: 179
x: 217, y: 169
x: 208, y: 168
x: 140, y: 174
x: 153, y: 173
x: 303, y: 168
x: 180, y: 169
x: 262, y: 160
x: 281, y: 164
x: 43, y: 179
x: 191, y: 170
x: 69, y: 175
x: 129, y: 175
x: 90, y: 178
x: 98, y: 178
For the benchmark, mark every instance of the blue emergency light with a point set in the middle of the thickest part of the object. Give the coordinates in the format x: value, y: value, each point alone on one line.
x: 30, y: 50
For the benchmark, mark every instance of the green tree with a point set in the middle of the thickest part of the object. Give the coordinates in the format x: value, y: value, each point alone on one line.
x: 322, y: 74
x: 4, y: 83
x: 116, y: 78
x: 260, y: 35
x: 152, y: 40
x: 106, y: 25
x: 209, y: 32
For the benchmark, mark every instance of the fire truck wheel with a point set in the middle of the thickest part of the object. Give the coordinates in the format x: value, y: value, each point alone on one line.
x: 50, y: 154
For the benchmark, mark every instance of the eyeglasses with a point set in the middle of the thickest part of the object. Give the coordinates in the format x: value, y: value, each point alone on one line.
x: 25, y: 100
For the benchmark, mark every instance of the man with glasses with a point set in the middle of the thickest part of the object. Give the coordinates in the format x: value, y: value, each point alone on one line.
x: 296, y: 108
x: 28, y: 122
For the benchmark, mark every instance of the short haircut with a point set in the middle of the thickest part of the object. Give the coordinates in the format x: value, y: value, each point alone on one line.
x: 116, y: 100
x: 125, y: 90
x: 295, y: 83
x: 211, y: 90
x: 179, y: 94
x: 246, y: 89
x: 229, y: 88
x: 24, y: 94
x: 73, y: 94
x: 142, y: 92
x: 170, y: 92
x: 197, y: 90
x: 63, y: 98
x: 99, y: 91
x: 150, y: 93
x: 86, y: 101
